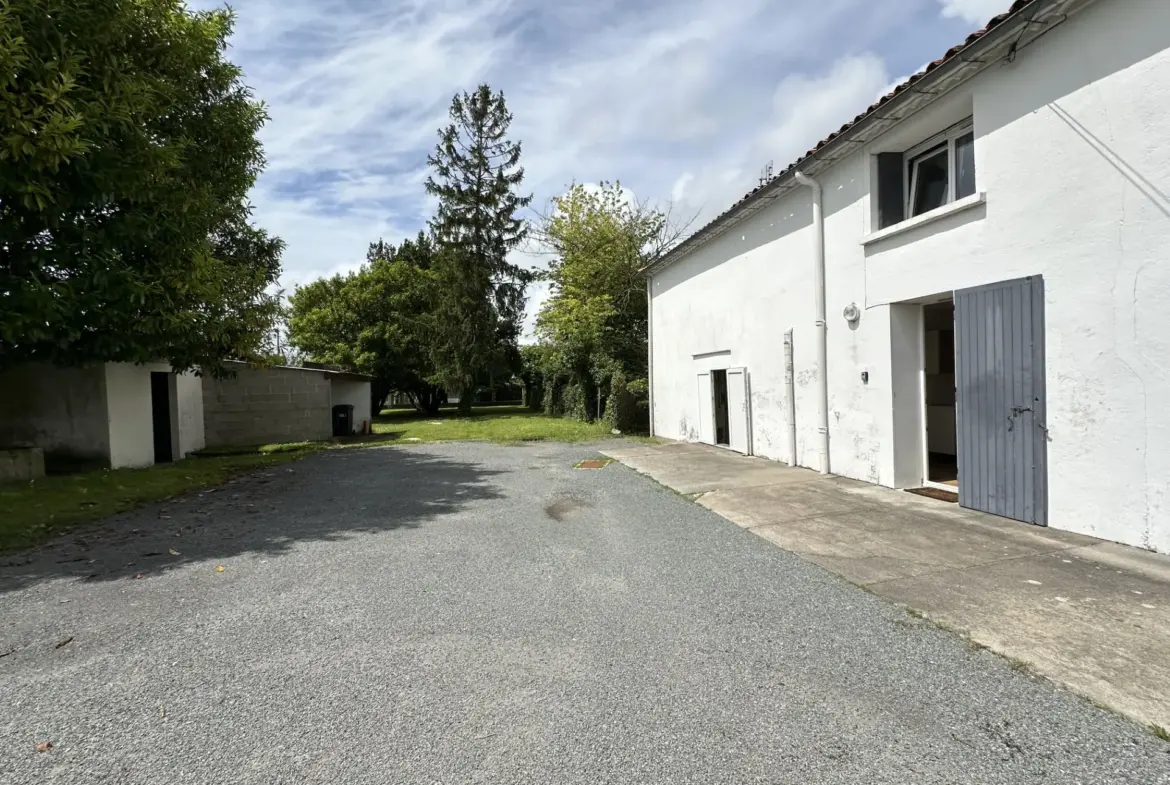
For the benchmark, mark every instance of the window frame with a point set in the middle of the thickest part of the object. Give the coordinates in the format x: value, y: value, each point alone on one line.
x: 920, y: 152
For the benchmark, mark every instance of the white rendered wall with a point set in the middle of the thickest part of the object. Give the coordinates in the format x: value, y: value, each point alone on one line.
x: 1071, y: 152
x: 354, y: 393
x: 129, y: 411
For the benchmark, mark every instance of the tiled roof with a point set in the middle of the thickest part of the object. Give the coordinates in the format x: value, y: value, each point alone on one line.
x: 951, y: 54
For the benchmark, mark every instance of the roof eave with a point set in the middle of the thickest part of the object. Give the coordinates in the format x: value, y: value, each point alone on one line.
x: 1012, y: 33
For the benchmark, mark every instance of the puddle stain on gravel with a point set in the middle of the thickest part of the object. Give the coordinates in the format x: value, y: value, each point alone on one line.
x: 562, y: 508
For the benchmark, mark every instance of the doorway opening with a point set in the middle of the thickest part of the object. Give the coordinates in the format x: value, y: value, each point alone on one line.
x: 941, y: 438
x: 722, y: 419
x: 160, y: 413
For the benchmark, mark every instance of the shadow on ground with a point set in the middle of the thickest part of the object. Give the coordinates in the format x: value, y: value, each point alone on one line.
x: 328, y: 496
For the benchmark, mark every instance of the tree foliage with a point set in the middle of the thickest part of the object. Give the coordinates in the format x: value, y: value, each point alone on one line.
x: 127, y: 147
x: 479, y: 295
x: 593, y: 327
x: 375, y: 320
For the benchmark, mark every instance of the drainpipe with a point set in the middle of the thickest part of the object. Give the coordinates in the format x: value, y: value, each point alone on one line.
x: 821, y: 325
x: 650, y: 351
x: 790, y: 391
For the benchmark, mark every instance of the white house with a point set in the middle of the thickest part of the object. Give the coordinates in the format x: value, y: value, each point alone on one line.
x: 974, y: 275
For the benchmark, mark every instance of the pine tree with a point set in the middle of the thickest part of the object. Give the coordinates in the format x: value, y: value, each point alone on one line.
x: 479, y: 298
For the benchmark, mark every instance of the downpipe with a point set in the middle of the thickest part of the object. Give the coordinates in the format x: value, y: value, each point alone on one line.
x: 821, y: 323
x: 650, y: 350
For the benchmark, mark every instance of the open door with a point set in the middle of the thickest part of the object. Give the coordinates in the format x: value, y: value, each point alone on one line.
x: 706, y: 409
x: 999, y: 373
x: 739, y: 410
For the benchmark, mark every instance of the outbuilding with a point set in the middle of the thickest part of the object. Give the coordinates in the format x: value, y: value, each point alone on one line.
x: 112, y: 415
x: 121, y: 415
x: 278, y: 404
x: 964, y: 287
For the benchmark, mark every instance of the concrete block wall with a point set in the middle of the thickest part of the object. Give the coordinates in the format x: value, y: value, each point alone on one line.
x: 266, y: 406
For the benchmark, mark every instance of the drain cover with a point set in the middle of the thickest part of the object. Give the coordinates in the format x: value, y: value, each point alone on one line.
x: 593, y: 463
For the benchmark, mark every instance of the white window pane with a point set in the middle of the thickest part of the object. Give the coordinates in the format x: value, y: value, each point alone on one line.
x: 965, y: 165
x: 931, y: 182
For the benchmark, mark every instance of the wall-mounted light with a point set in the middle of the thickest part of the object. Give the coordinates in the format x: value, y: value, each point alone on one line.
x: 851, y: 313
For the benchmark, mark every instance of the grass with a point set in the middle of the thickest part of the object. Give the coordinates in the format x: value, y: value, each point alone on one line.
x: 501, y: 424
x: 1023, y: 666
x: 32, y: 512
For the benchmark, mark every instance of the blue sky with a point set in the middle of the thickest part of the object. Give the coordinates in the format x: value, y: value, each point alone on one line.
x: 684, y: 101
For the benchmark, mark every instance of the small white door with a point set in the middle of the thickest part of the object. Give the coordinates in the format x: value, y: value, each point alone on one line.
x: 706, y: 409
x: 739, y: 418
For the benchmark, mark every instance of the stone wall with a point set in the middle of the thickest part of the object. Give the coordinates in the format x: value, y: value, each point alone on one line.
x: 266, y: 406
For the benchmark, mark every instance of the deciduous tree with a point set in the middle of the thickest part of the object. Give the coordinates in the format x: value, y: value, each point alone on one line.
x: 593, y: 326
x: 375, y: 321
x: 128, y: 144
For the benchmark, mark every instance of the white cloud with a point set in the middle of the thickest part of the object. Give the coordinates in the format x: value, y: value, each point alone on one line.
x: 974, y: 11
x: 682, y: 100
x: 804, y: 110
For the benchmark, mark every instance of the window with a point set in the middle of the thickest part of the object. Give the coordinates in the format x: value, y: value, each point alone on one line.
x: 941, y: 170
x: 937, y: 172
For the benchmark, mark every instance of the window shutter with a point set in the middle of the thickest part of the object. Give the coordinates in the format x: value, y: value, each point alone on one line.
x: 890, y: 194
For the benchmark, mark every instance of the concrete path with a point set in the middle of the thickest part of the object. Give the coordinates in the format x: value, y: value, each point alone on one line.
x: 469, y: 613
x: 1089, y: 614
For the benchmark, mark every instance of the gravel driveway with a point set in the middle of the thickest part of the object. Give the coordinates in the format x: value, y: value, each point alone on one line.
x: 469, y: 613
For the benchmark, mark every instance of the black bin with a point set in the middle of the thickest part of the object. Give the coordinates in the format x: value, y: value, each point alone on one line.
x: 342, y: 419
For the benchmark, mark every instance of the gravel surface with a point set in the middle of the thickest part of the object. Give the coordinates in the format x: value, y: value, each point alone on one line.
x: 469, y: 613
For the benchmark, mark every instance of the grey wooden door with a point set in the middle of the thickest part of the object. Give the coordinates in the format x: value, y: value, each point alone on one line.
x: 999, y: 384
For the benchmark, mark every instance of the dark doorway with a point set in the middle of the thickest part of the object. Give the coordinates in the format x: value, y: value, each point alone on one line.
x: 939, y: 370
x: 160, y: 411
x: 719, y: 390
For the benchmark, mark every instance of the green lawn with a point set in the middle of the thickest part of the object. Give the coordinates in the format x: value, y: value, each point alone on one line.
x: 506, y: 424
x: 32, y: 512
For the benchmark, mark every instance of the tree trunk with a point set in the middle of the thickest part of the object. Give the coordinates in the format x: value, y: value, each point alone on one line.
x: 466, y: 399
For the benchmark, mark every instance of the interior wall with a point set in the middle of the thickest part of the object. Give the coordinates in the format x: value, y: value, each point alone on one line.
x: 939, y: 377
x: 61, y: 410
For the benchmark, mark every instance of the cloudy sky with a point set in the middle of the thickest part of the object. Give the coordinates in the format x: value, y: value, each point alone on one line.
x: 682, y: 100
